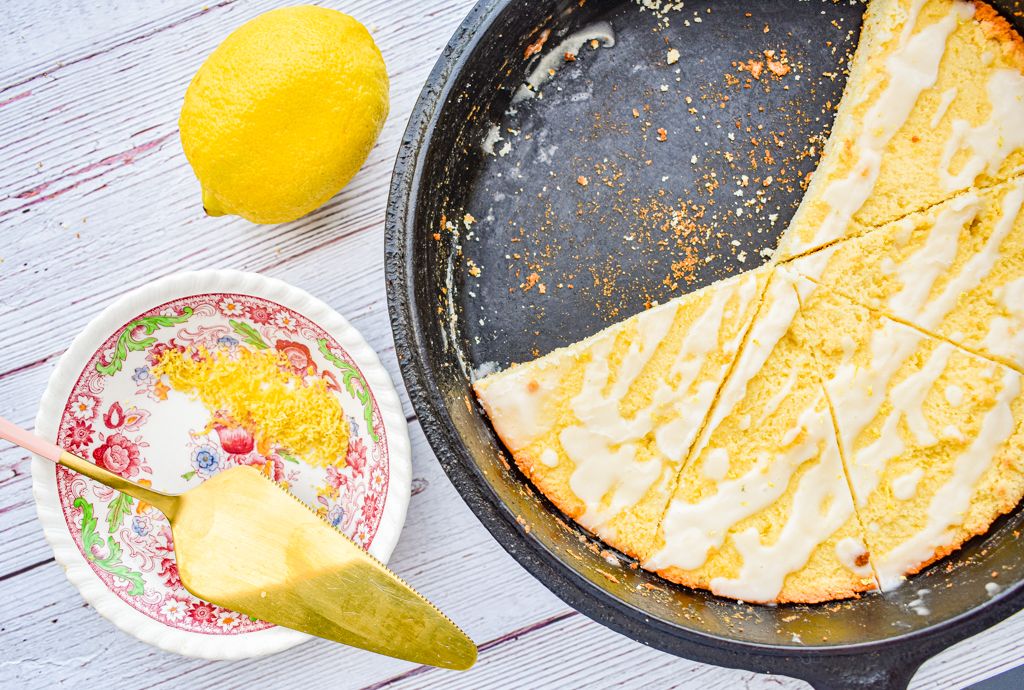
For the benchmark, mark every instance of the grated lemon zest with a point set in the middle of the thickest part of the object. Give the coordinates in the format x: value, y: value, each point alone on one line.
x: 260, y: 392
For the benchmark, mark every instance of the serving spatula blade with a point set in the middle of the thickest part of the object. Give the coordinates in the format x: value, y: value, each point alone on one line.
x: 244, y: 543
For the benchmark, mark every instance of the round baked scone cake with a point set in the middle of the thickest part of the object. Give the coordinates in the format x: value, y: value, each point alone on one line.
x: 838, y: 419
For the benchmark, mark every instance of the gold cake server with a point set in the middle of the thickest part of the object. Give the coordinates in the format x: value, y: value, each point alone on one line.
x: 244, y: 543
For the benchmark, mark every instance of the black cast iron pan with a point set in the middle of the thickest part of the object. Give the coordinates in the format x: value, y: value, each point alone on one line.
x: 614, y: 185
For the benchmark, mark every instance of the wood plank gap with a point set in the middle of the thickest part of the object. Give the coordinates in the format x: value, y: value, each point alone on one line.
x: 346, y: 233
x: 112, y: 162
x: 516, y: 634
x: 30, y: 365
x: 26, y: 569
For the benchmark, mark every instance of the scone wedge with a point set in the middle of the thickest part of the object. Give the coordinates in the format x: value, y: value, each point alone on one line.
x: 602, y: 427
x: 955, y: 271
x: 932, y: 107
x: 930, y: 433
x: 762, y: 510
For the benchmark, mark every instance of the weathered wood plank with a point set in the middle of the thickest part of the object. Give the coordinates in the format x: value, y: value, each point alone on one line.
x: 20, y: 532
x: 574, y: 652
x: 41, y: 35
x: 987, y: 654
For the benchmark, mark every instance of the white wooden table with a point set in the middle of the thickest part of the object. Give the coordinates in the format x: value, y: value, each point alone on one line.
x: 96, y: 198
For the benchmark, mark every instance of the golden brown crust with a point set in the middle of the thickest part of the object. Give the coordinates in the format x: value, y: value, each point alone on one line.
x: 566, y: 502
x: 1008, y: 495
x: 981, y: 527
x: 994, y: 25
x: 818, y: 596
x: 787, y: 596
x: 683, y: 577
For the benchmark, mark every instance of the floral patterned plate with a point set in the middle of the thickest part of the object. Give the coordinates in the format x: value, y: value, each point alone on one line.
x: 105, y: 404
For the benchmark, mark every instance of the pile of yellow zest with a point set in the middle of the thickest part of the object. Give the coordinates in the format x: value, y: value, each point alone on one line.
x: 260, y: 391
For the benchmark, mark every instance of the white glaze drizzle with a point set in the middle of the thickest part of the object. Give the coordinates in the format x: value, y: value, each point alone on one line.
x: 765, y: 334
x: 675, y: 437
x: 909, y: 395
x: 951, y: 432
x: 692, y: 530
x: 992, y: 141
x: 765, y: 567
x: 904, y: 231
x: 858, y: 391
x: 848, y: 550
x: 813, y: 265
x: 947, y: 99
x: 1005, y: 337
x: 908, y: 26
x: 716, y: 464
x: 780, y: 395
x: 904, y: 487
x: 907, y: 398
x: 919, y: 272
x: 549, y: 457
x: 918, y: 606
x: 849, y: 346
x: 978, y: 267
x: 509, y: 398
x: 887, y: 266
x: 552, y: 61
x: 603, y: 447
x: 949, y: 505
x: 912, y: 68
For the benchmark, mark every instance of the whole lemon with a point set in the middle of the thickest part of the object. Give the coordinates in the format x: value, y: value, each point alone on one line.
x: 283, y: 113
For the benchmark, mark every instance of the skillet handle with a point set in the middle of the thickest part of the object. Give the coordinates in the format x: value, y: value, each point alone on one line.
x: 879, y: 671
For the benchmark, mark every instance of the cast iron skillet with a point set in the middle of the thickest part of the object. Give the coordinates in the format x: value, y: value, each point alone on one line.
x: 466, y: 297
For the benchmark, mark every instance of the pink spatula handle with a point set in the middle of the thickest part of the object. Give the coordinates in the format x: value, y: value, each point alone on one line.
x: 29, y: 441
x: 18, y: 436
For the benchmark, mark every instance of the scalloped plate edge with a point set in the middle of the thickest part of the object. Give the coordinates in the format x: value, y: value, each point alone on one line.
x: 44, y: 484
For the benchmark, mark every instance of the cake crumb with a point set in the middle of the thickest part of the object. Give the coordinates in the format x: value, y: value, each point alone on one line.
x: 535, y: 47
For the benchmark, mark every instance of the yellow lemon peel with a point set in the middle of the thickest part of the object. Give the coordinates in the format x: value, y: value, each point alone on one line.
x: 260, y: 391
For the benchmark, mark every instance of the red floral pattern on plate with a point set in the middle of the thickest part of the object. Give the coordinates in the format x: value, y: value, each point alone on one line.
x: 117, y: 404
